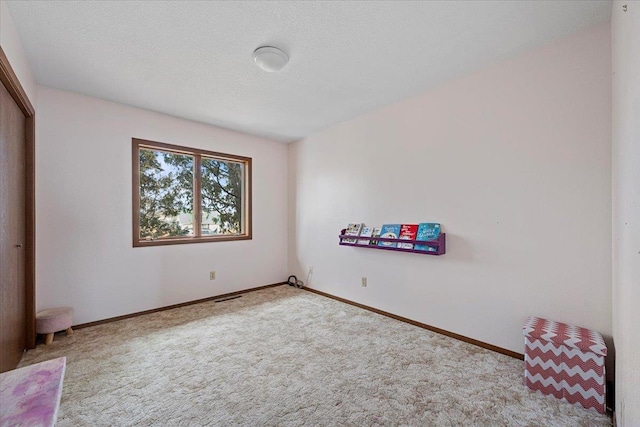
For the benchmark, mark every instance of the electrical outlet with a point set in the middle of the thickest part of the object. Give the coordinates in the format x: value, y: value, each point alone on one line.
x: 311, y: 270
x: 364, y: 282
x: 212, y: 275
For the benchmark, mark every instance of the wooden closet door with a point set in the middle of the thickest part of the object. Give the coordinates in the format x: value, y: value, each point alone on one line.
x: 12, y: 232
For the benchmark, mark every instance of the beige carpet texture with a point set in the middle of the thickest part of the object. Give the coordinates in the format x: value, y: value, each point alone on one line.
x: 287, y: 357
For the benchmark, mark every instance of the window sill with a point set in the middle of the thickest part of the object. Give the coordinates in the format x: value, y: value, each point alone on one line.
x: 188, y: 240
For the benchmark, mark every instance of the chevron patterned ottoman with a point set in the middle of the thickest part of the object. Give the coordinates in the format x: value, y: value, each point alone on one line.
x: 565, y: 361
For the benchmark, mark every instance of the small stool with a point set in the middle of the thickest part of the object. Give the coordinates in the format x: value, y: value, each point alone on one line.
x: 566, y: 362
x: 53, y: 320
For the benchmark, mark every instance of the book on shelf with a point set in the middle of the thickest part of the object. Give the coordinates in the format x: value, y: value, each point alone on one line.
x: 427, y: 231
x: 408, y: 232
x: 389, y: 231
x: 375, y: 233
x: 365, y: 232
x: 352, y: 230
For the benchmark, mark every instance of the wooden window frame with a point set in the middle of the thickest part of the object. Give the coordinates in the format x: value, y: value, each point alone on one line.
x: 197, y: 153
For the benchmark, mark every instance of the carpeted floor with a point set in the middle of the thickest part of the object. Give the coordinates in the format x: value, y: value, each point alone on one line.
x: 286, y: 357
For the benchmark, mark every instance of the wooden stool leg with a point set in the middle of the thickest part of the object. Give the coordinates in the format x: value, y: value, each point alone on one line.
x: 69, y: 331
x: 49, y: 339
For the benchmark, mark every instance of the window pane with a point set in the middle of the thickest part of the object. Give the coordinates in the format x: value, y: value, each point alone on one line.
x: 222, y: 186
x: 166, y: 194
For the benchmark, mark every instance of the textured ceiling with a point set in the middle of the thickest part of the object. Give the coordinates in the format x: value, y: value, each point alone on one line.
x: 193, y: 59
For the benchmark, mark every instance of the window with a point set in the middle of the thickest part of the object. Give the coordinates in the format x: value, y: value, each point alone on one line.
x: 186, y: 195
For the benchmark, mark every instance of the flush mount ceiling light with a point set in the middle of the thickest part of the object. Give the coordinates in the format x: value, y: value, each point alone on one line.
x: 270, y: 58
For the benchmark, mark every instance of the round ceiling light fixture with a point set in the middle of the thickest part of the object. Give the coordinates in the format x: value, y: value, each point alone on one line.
x: 270, y: 58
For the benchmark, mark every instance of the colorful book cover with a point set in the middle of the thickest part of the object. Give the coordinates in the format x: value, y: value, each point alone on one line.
x: 375, y: 233
x: 427, y: 231
x: 365, y: 232
x: 352, y: 230
x: 408, y: 231
x: 389, y: 231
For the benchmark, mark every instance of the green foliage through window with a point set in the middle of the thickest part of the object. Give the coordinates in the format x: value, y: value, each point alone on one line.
x: 167, y: 202
x: 221, y: 194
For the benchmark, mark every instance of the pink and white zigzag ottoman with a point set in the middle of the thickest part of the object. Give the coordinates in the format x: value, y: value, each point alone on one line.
x: 565, y: 361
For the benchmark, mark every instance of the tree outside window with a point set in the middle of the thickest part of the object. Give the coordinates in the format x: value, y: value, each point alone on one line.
x: 173, y: 185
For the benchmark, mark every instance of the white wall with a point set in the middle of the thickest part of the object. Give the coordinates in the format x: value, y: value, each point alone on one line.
x: 625, y: 29
x: 513, y: 160
x: 12, y: 47
x: 85, y: 257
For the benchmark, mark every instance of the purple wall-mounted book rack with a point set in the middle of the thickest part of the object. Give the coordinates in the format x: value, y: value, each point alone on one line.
x: 439, y: 244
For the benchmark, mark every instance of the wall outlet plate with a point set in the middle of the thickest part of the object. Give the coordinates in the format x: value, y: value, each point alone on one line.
x: 212, y: 275
x: 364, y: 282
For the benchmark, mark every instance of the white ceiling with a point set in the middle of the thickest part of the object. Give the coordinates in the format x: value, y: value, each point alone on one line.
x: 193, y: 59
